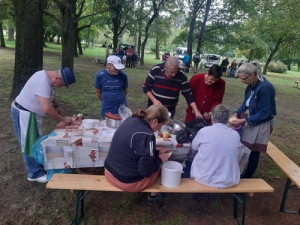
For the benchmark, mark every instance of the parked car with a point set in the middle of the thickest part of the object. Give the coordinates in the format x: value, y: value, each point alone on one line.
x: 180, y: 52
x: 207, y: 60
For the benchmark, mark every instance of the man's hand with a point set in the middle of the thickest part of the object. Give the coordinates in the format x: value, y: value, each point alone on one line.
x: 68, y: 120
x: 156, y: 102
x: 163, y: 150
x: 60, y: 111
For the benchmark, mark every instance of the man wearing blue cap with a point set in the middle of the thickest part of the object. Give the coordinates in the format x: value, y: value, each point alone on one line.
x: 36, y: 100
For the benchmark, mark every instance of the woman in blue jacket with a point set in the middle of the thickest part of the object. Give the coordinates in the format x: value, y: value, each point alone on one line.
x: 256, y: 113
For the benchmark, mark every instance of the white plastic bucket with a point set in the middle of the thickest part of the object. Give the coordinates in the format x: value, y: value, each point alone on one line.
x: 171, y: 174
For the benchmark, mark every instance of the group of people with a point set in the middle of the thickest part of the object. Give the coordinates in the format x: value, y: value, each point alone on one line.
x: 128, y: 56
x: 233, y: 66
x: 133, y: 162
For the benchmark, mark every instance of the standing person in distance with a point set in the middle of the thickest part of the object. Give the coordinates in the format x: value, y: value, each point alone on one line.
x: 255, y: 113
x: 35, y: 101
x: 224, y: 65
x: 233, y: 68
x: 196, y: 60
x: 111, y: 86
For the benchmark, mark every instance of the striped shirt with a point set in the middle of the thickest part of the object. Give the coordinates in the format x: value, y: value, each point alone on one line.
x: 167, y: 90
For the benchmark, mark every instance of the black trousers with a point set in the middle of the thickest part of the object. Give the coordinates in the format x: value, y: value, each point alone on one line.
x: 252, y: 164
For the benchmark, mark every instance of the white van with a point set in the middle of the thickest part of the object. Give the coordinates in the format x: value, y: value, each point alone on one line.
x: 207, y: 60
x: 180, y: 52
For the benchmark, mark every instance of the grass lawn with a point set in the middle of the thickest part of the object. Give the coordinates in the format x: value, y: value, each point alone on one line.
x: 24, y: 202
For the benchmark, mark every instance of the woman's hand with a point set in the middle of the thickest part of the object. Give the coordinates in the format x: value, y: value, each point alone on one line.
x: 164, y: 157
x: 163, y: 150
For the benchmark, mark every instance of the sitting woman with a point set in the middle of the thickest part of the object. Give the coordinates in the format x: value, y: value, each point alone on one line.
x: 133, y: 162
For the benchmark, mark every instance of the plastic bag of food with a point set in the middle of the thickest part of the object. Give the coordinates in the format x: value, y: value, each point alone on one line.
x: 124, y: 112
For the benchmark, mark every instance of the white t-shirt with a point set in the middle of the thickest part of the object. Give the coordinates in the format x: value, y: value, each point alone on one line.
x: 216, y: 163
x: 38, y: 85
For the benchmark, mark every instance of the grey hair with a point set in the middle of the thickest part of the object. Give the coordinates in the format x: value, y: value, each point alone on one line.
x: 248, y: 68
x: 172, y: 61
x: 220, y: 114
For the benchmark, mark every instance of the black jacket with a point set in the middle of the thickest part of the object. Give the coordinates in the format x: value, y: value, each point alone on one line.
x: 132, y: 154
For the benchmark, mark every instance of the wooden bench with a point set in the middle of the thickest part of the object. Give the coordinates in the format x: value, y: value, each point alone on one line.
x: 290, y: 169
x: 297, y: 82
x: 82, y: 184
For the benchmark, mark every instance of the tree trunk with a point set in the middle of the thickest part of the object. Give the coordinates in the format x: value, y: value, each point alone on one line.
x: 29, y: 42
x: 11, y: 34
x: 157, y: 49
x: 196, y: 7
x: 2, y: 42
x: 208, y: 4
x: 271, y: 56
x: 250, y: 55
x: 80, y: 52
x: 156, y: 9
x: 67, y: 37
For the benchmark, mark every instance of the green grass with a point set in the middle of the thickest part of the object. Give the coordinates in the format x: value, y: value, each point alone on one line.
x: 120, y: 208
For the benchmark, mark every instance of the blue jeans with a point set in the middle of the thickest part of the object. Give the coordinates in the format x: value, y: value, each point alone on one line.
x: 34, y: 169
x: 232, y: 72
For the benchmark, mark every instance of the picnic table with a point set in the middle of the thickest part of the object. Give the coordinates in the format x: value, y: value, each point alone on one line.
x: 83, y: 146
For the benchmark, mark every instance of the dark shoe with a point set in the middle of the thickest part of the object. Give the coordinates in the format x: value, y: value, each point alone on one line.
x: 198, y: 197
x: 154, y: 200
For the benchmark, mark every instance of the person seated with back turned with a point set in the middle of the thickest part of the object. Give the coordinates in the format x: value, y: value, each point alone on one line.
x: 216, y: 163
x: 133, y: 161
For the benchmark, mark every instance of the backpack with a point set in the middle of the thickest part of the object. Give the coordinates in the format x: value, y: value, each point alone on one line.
x: 188, y: 134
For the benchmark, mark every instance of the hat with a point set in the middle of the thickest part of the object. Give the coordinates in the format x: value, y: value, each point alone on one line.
x: 67, y: 75
x: 116, y: 61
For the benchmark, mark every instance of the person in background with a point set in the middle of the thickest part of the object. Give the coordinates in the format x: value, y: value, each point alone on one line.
x: 216, y: 163
x: 241, y: 63
x: 224, y: 65
x: 111, y: 86
x: 36, y: 100
x: 255, y: 113
x: 186, y: 59
x: 128, y: 57
x: 233, y: 68
x: 164, y: 57
x: 121, y: 53
x: 208, y: 90
x: 196, y: 60
x: 133, y: 161
x: 134, y: 59
x: 107, y: 53
x: 163, y: 84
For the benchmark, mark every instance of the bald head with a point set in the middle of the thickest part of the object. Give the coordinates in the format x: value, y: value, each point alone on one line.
x: 171, y: 67
x: 172, y: 62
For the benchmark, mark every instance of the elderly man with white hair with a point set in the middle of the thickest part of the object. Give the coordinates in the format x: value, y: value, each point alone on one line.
x: 216, y: 163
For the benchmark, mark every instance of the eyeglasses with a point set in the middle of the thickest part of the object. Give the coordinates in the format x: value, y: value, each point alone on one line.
x: 243, y: 79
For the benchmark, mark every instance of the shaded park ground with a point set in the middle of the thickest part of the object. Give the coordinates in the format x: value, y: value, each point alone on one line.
x: 24, y: 202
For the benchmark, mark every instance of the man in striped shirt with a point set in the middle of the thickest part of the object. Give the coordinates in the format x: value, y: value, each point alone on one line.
x: 163, y: 84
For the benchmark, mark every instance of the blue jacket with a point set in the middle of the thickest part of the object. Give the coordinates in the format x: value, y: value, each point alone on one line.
x: 262, y: 107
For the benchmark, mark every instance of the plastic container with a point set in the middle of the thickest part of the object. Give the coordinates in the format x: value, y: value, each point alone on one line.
x: 171, y: 174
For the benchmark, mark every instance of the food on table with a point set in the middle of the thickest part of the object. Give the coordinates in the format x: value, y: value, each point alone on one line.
x: 179, y: 145
x: 109, y: 115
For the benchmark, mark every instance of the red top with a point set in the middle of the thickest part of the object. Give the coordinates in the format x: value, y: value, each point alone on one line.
x: 206, y: 96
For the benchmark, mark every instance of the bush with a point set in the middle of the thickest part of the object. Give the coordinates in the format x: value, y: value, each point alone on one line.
x: 277, y: 67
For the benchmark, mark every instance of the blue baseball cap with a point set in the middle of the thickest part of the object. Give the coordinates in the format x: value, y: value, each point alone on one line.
x: 67, y: 75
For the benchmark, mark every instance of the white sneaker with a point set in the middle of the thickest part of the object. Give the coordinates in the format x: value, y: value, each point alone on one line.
x: 42, y: 179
